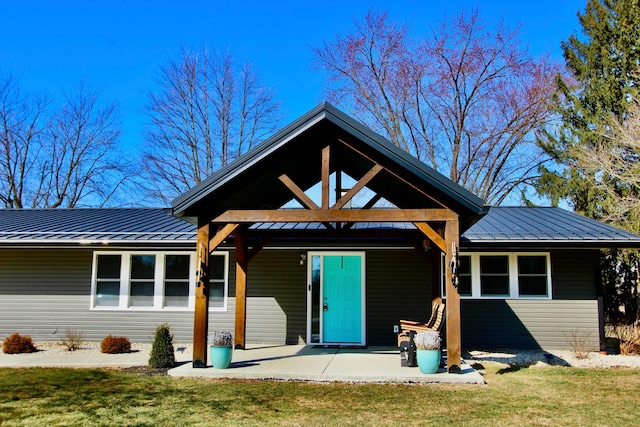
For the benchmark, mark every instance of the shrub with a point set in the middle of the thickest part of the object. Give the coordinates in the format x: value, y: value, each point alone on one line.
x: 16, y: 344
x: 221, y: 339
x: 73, y: 339
x: 580, y: 342
x: 628, y: 336
x: 115, y: 345
x: 162, y: 355
x: 428, y: 340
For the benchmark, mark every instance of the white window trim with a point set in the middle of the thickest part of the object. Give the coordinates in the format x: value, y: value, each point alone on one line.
x: 159, y: 278
x: 476, y: 290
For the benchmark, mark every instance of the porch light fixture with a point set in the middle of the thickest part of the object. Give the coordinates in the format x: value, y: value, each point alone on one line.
x: 303, y: 258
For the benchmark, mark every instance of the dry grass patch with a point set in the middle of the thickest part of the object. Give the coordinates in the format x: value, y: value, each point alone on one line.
x: 552, y: 396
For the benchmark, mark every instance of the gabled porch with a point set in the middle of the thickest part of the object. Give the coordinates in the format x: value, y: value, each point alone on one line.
x: 310, y: 363
x: 245, y: 206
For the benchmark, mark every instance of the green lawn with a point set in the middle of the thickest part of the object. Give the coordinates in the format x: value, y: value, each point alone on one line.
x: 528, y: 396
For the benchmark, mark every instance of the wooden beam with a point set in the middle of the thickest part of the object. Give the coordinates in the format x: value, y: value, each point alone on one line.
x: 201, y: 313
x: 299, y: 195
x: 326, y: 171
x: 359, y: 186
x: 431, y: 235
x: 242, y: 266
x: 222, y: 234
x: 454, y: 333
x: 427, y: 195
x: 336, y: 215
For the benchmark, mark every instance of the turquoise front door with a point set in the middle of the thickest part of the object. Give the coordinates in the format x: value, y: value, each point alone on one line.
x: 342, y: 299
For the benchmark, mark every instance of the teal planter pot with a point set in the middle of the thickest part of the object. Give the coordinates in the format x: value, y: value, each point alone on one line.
x: 221, y: 356
x: 428, y: 361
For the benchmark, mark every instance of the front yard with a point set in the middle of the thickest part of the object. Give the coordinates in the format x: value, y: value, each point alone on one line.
x: 513, y: 396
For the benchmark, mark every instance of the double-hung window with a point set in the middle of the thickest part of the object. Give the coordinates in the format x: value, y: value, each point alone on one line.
x: 504, y: 275
x: 139, y: 280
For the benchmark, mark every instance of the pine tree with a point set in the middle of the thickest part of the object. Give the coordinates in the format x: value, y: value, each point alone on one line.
x: 601, y: 98
x: 162, y: 355
x: 604, y: 66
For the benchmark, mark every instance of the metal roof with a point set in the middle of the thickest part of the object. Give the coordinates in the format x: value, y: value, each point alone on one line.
x: 94, y: 226
x: 545, y: 225
x: 502, y: 226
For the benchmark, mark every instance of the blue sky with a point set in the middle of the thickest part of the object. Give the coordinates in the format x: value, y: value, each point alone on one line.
x: 117, y: 46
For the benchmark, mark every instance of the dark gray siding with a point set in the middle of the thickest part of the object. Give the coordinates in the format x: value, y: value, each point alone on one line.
x: 398, y: 287
x: 276, y: 298
x: 45, y: 291
x: 531, y: 323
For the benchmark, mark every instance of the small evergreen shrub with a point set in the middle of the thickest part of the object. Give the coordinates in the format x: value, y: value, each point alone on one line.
x: 16, y: 344
x: 162, y: 355
x: 115, y: 345
x: 73, y: 339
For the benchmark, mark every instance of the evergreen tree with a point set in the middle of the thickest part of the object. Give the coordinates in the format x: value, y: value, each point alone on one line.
x: 604, y: 68
x: 162, y: 355
x: 600, y: 99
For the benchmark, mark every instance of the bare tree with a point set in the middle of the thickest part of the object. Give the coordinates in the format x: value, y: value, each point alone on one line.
x: 465, y: 99
x: 611, y: 168
x: 57, y: 157
x: 206, y: 112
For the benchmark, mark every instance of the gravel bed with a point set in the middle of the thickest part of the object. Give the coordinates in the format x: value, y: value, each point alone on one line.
x: 506, y: 357
x: 552, y: 358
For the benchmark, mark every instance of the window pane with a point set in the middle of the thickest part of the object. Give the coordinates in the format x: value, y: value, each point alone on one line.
x: 176, y: 294
x: 142, y: 266
x: 177, y: 267
x: 107, y: 294
x: 497, y: 264
x: 494, y: 275
x: 216, y: 267
x: 141, y: 294
x: 464, y: 275
x: 494, y: 285
x: 315, y: 299
x: 108, y: 267
x: 532, y: 265
x: 533, y: 286
x: 216, y: 294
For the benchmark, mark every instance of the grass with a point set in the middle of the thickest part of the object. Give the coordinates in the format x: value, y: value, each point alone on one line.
x: 527, y: 396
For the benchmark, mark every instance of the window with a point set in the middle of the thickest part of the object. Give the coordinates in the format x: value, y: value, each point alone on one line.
x: 464, y: 275
x: 532, y: 275
x: 154, y: 281
x: 503, y: 275
x: 176, y: 280
x: 142, y: 283
x: 107, y: 289
x: 494, y: 275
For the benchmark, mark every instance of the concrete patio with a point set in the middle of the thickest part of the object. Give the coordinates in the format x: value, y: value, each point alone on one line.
x: 306, y: 363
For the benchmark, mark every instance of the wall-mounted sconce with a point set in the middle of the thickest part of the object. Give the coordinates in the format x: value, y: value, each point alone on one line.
x: 303, y: 258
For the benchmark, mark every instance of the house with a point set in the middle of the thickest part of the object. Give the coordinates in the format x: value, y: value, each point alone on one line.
x: 323, y: 234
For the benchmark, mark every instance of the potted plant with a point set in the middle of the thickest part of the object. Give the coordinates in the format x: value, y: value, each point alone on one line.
x: 221, y: 349
x: 428, y: 351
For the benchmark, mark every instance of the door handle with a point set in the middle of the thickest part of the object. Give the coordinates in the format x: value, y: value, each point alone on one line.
x: 325, y: 307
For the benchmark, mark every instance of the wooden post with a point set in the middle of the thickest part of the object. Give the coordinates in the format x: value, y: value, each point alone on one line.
x: 201, y: 314
x: 242, y: 266
x: 454, y: 333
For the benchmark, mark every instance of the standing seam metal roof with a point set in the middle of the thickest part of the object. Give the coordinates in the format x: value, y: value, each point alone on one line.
x: 146, y: 226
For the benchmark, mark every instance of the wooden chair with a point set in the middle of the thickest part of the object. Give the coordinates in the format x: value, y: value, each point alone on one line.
x: 433, y: 324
